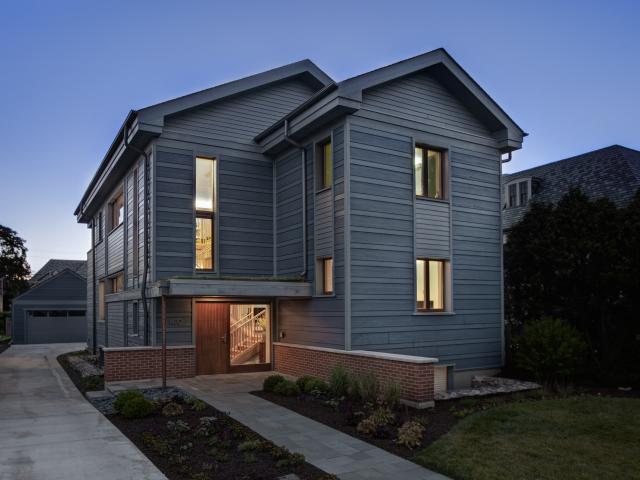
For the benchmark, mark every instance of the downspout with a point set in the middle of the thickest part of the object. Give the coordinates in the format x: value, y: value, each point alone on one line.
x: 143, y: 289
x: 290, y: 140
x: 94, y: 330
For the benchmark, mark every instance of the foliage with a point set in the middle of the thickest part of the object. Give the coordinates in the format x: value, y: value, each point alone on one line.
x: 124, y: 397
x: 271, y: 381
x: 178, y: 426
x: 287, y: 388
x: 550, y: 349
x: 391, y: 395
x: 339, y: 381
x: 410, y: 435
x: 156, y: 443
x: 364, y: 387
x: 316, y: 385
x: 249, y: 445
x: 172, y: 409
x: 578, y: 261
x: 302, y: 382
x: 137, y: 407
x: 380, y: 418
x: 14, y: 268
x: 92, y: 382
x: 196, y: 404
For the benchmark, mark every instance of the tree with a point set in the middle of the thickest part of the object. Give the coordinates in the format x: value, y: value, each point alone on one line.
x: 578, y: 261
x: 14, y: 268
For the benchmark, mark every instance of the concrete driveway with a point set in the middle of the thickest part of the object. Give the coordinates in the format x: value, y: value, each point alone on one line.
x: 49, y: 431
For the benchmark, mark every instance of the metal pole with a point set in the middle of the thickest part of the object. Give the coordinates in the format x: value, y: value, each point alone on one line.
x: 164, y: 341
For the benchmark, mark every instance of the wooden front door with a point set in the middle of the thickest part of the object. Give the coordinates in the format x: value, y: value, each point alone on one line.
x: 212, y: 338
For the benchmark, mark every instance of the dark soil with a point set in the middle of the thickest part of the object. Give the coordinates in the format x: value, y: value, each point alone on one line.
x: 4, y: 346
x: 84, y: 384
x: 213, y: 456
x: 437, y: 420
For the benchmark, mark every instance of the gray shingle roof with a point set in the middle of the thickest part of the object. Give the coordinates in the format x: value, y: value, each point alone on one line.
x: 55, y: 266
x: 612, y: 172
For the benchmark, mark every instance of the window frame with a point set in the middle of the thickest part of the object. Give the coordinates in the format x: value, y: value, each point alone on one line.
x: 444, y: 174
x: 516, y: 185
x: 111, y: 210
x: 323, y: 262
x: 113, y: 280
x: 427, y: 284
x: 323, y: 182
x: 206, y: 214
x: 101, y: 301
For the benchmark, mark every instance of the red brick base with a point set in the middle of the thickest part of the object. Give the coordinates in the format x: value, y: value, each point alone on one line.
x: 141, y: 363
x: 414, y: 375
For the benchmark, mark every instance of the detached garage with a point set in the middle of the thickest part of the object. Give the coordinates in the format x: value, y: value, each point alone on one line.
x: 53, y: 310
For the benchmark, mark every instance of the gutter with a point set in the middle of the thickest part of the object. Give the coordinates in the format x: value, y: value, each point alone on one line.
x: 290, y: 140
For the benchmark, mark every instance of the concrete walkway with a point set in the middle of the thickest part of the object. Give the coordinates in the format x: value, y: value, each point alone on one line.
x: 49, y: 431
x: 326, y: 448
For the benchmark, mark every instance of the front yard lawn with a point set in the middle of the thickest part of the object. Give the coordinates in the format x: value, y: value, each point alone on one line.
x: 582, y: 437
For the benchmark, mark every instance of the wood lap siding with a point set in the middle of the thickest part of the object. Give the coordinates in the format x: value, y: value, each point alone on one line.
x: 385, y: 218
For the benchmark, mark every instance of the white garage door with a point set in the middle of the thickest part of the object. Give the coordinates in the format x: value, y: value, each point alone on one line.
x: 56, y: 326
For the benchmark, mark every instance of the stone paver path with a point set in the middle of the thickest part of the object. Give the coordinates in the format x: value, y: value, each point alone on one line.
x: 326, y: 448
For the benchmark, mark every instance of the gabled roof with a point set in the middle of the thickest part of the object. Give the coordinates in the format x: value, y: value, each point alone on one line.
x: 55, y: 266
x: 346, y: 96
x: 142, y: 125
x: 612, y: 172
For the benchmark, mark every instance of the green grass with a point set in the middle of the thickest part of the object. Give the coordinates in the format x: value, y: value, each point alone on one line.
x: 573, y: 438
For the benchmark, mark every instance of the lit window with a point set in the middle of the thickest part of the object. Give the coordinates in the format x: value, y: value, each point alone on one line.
x: 429, y: 172
x: 430, y: 284
x: 327, y: 276
x: 325, y: 164
x: 205, y: 210
x: 101, y: 301
x: 116, y: 283
x: 116, y: 211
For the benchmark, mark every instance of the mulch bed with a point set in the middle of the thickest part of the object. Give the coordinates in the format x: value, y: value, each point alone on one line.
x: 215, y: 456
x: 84, y: 384
x: 4, y: 346
x: 437, y: 420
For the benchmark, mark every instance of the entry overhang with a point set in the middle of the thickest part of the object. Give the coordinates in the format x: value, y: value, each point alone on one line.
x: 196, y: 287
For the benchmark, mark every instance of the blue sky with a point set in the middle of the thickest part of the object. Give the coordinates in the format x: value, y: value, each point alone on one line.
x: 567, y: 72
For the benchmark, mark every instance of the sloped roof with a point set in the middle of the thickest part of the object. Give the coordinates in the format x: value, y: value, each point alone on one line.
x: 612, y: 172
x: 55, y: 266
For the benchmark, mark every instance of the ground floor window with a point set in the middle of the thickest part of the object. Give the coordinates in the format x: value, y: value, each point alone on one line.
x: 430, y: 285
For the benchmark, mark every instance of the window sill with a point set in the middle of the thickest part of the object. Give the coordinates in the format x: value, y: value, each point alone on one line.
x: 429, y: 199
x: 323, y: 189
x: 434, y: 314
x: 115, y: 228
x: 323, y: 295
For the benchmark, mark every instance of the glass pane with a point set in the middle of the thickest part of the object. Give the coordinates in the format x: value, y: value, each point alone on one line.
x: 436, y: 285
x: 418, y: 163
x: 249, y: 334
x: 204, y: 243
x: 420, y: 287
x: 524, y: 192
x: 434, y: 174
x: 328, y: 275
x: 512, y: 195
x: 327, y: 173
x: 205, y: 184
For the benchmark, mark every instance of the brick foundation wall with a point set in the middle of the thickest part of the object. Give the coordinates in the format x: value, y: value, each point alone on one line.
x: 141, y: 363
x: 414, y: 375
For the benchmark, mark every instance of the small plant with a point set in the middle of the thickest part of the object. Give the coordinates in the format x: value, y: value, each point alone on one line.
x: 124, y: 397
x: 250, y: 457
x: 271, y: 381
x: 369, y: 387
x: 91, y: 383
x: 302, y: 382
x: 137, y: 407
x: 380, y: 418
x: 316, y: 386
x: 208, y: 422
x: 249, y: 445
x: 196, y: 404
x: 333, y: 403
x: 391, y: 395
x: 185, y: 447
x: 156, y: 443
x: 463, y: 412
x: 355, y: 388
x: 286, y: 388
x: 410, y: 435
x: 178, y: 426
x: 339, y: 381
x: 218, y: 455
x: 172, y: 409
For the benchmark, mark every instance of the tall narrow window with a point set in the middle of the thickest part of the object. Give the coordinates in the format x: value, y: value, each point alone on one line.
x: 327, y: 276
x: 101, y: 301
x: 116, y: 211
x: 325, y: 164
x: 429, y: 172
x: 524, y: 192
x: 513, y: 195
x: 205, y: 204
x: 97, y: 225
x: 430, y: 285
x: 116, y: 284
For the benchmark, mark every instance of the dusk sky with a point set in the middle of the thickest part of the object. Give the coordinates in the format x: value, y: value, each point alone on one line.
x: 566, y: 72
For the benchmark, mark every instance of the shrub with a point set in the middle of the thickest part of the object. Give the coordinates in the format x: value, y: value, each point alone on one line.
x: 355, y: 388
x: 156, y: 443
x: 369, y: 387
x: 381, y: 417
x: 286, y: 388
x: 137, y: 407
x: 316, y: 385
x: 172, y: 409
x: 339, y: 381
x: 249, y: 445
x: 410, y: 435
x: 124, y: 397
x: 302, y: 382
x: 391, y: 395
x: 271, y: 381
x: 550, y: 350
x: 178, y: 426
x: 196, y: 404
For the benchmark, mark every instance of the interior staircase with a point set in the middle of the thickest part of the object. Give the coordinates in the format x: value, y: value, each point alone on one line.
x: 246, y: 335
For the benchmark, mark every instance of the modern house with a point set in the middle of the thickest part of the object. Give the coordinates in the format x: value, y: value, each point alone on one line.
x: 611, y: 172
x: 53, y: 309
x: 286, y: 221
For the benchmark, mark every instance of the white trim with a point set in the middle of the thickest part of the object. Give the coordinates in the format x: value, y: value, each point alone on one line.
x: 394, y: 357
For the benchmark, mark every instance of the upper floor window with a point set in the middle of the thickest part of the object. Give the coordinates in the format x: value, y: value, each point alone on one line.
x: 430, y: 285
x: 116, y: 211
x: 325, y: 164
x: 429, y: 172
x: 518, y: 193
x: 116, y: 284
x: 326, y: 275
x: 205, y: 205
x: 101, y: 301
x: 97, y: 228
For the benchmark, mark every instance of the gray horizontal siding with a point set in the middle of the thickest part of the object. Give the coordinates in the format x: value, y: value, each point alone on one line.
x: 323, y: 223
x: 115, y: 250
x: 432, y: 229
x: 179, y: 322
x: 115, y: 324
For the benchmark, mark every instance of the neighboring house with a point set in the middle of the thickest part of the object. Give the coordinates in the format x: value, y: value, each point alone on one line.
x: 612, y: 172
x: 53, y: 310
x: 294, y: 223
